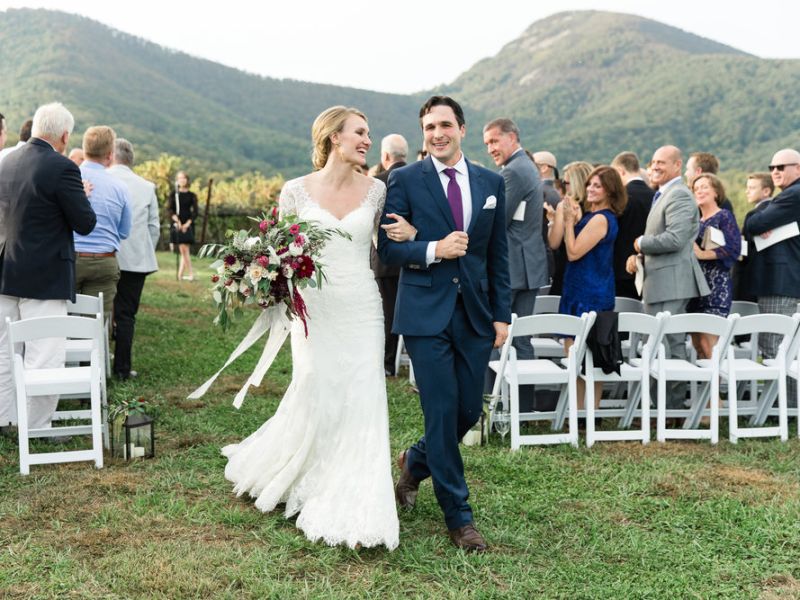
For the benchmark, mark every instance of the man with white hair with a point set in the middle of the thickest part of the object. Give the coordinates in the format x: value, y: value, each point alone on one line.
x: 136, y: 256
x: 394, y: 152
x: 773, y: 275
x: 42, y: 203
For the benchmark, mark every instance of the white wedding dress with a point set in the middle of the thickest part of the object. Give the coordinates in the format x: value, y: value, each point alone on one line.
x: 325, y: 452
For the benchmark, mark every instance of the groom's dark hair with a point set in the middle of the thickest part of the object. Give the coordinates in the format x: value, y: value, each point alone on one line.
x: 442, y: 101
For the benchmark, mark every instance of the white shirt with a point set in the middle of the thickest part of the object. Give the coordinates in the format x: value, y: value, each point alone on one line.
x: 462, y: 179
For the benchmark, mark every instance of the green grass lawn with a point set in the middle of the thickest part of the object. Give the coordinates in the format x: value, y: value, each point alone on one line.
x: 675, y: 520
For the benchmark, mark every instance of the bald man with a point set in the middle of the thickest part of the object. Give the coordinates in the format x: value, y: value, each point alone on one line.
x: 672, y: 275
x: 773, y: 275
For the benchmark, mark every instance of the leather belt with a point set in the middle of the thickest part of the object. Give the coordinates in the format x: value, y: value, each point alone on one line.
x: 96, y: 254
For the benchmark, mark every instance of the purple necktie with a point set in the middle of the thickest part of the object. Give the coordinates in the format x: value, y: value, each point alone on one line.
x: 454, y: 198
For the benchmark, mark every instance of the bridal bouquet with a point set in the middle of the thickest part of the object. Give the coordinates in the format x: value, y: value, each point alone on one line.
x: 268, y: 268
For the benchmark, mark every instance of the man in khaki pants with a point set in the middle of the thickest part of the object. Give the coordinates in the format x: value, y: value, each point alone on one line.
x: 96, y: 267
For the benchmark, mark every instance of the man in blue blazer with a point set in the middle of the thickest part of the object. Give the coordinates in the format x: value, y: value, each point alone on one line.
x: 453, y: 303
x: 42, y: 202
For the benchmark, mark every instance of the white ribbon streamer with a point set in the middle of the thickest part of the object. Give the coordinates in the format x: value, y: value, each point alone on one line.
x: 272, y: 319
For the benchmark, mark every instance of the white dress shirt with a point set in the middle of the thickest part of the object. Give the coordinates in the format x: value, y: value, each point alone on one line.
x: 462, y: 179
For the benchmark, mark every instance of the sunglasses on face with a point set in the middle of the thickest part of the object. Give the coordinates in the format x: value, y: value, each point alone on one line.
x: 780, y: 168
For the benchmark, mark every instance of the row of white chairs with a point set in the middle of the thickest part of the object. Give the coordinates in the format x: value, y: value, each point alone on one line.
x: 83, y: 376
x: 646, y: 360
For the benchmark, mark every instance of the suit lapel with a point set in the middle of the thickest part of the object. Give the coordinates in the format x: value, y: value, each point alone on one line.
x: 434, y: 184
x: 476, y: 190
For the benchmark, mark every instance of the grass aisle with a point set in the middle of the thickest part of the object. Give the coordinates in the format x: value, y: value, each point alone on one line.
x: 678, y: 520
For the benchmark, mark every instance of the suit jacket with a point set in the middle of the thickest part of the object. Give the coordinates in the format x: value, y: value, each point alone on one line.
x: 379, y: 267
x: 773, y: 271
x: 632, y: 223
x: 427, y: 294
x: 527, y: 258
x: 137, y: 253
x: 41, y: 203
x: 671, y: 270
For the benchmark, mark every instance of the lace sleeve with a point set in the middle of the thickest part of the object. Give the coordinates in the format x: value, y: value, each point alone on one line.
x: 377, y: 199
x: 287, y: 202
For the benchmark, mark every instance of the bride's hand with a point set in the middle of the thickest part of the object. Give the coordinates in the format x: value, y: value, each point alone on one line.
x: 400, y: 231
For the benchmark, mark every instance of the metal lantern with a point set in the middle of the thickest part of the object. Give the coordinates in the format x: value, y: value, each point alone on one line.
x: 138, y: 435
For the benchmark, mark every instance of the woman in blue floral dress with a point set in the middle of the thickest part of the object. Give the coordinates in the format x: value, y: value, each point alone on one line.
x: 716, y: 260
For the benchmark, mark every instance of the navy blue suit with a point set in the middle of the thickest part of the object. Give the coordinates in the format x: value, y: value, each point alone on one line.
x: 445, y: 313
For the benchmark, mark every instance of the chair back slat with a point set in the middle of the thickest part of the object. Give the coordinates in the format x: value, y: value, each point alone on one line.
x: 765, y: 323
x: 546, y: 304
x: 743, y: 308
x: 54, y: 326
x: 547, y: 323
x: 696, y: 323
x: 85, y: 305
x: 628, y: 305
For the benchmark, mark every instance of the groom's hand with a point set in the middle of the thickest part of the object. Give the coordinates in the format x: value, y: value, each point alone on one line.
x: 500, y: 333
x: 453, y: 246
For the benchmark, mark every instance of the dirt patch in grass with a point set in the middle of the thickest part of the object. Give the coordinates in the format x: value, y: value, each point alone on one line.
x: 780, y: 587
x: 732, y: 478
x: 657, y: 449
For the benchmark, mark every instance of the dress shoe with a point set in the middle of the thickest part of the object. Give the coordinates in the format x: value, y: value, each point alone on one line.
x: 468, y: 539
x: 407, y: 487
x: 128, y: 375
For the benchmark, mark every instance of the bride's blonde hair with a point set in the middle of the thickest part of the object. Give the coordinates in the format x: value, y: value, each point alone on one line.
x: 329, y: 121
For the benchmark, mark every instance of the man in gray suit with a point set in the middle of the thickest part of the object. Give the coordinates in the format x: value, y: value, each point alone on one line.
x: 137, y: 256
x: 527, y: 258
x: 672, y: 274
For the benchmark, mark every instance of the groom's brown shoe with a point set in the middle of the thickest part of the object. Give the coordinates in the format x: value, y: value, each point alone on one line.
x: 407, y: 487
x: 468, y: 539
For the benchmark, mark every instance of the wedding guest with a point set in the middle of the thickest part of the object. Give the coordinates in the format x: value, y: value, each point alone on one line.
x: 716, y: 258
x: 575, y: 178
x: 137, y: 256
x: 97, y: 267
x: 758, y: 190
x: 672, y: 275
x: 24, y: 136
x: 183, y: 210
x: 41, y: 203
x: 76, y: 156
x: 631, y: 222
x: 394, y: 152
x: 704, y: 162
x: 548, y: 171
x: 773, y: 276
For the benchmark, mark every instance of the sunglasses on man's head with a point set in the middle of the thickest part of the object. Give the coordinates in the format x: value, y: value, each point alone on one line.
x: 780, y: 168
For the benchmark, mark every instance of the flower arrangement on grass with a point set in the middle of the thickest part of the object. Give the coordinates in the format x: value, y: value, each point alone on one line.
x: 268, y: 268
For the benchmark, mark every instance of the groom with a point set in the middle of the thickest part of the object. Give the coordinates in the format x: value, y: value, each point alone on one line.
x: 453, y: 303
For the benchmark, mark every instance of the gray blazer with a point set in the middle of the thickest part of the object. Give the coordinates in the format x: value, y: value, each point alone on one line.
x: 137, y: 253
x: 671, y: 270
x: 527, y: 257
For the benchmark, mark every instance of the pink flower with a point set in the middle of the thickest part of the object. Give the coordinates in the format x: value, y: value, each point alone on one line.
x: 305, y: 268
x: 299, y: 239
x: 214, y: 278
x: 295, y: 265
x: 275, y: 211
x: 294, y: 229
x: 263, y: 261
x: 263, y: 226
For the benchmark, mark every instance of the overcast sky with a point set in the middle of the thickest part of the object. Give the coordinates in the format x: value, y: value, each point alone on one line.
x: 415, y: 46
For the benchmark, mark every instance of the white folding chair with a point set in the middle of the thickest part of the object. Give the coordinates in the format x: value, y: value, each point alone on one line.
x: 402, y: 359
x: 633, y: 371
x: 511, y: 373
x: 78, y: 350
x: 705, y: 372
x: 735, y: 369
x: 766, y: 406
x: 746, y: 348
x: 45, y: 382
x: 547, y: 347
x: 623, y: 304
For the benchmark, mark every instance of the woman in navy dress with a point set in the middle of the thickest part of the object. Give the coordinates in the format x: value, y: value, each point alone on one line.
x: 716, y: 262
x: 589, y: 240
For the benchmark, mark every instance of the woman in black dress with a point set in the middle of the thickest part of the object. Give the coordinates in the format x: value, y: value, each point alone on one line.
x: 183, y: 213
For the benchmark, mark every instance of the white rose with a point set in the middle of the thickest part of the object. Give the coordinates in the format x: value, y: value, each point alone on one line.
x: 256, y: 273
x: 273, y: 257
x: 288, y: 271
x: 272, y: 275
x: 251, y: 242
x: 295, y: 249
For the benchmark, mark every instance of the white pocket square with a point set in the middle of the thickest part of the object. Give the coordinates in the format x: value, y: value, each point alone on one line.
x: 491, y: 202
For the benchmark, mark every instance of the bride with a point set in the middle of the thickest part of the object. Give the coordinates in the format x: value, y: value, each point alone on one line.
x: 325, y: 452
